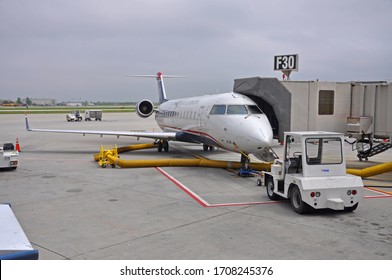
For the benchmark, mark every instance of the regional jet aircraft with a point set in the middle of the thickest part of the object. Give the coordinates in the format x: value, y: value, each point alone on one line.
x: 230, y: 121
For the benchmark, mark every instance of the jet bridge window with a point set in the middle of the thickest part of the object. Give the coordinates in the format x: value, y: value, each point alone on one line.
x: 237, y: 110
x: 218, y: 110
x: 326, y: 102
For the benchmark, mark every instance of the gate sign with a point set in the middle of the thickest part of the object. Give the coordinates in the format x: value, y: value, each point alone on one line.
x: 287, y: 62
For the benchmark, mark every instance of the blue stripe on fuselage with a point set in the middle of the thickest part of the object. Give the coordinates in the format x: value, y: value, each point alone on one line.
x: 193, y: 138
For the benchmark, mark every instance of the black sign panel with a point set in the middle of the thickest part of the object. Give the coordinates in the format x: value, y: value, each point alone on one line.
x: 286, y: 62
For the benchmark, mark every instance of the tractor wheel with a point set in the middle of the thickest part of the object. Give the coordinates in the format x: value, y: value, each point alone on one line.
x: 270, y: 189
x: 298, y: 205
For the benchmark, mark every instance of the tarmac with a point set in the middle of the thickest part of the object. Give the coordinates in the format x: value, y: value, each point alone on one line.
x: 70, y: 208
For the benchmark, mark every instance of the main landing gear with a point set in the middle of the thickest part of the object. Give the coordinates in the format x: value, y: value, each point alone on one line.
x: 207, y: 147
x: 163, y: 145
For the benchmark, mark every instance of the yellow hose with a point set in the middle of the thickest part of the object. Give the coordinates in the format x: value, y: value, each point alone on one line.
x: 202, y: 162
x: 183, y: 162
x: 198, y: 162
x: 371, y: 171
x: 136, y: 147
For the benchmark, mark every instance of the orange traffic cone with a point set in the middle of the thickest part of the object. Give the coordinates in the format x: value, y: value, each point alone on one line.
x: 17, y: 145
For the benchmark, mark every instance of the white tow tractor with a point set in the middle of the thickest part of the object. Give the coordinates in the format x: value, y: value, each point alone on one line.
x: 74, y: 116
x: 8, y: 156
x: 313, y: 174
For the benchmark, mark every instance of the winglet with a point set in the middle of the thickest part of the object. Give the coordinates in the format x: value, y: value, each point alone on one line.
x: 27, y: 123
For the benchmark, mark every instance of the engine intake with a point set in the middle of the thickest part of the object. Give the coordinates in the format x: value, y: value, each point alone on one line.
x: 144, y: 108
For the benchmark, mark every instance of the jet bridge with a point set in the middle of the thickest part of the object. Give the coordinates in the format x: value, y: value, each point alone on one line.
x: 360, y: 109
x: 272, y: 97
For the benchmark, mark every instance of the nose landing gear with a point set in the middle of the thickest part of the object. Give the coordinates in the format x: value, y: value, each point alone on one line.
x: 245, y: 170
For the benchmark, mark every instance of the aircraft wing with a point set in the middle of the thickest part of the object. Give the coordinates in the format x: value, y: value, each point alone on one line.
x: 141, y: 134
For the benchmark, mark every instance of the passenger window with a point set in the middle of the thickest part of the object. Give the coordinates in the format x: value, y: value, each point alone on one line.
x: 237, y: 110
x: 218, y: 110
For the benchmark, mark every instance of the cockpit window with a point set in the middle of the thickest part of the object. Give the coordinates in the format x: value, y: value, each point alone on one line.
x: 253, y: 109
x: 237, y: 109
x: 218, y: 110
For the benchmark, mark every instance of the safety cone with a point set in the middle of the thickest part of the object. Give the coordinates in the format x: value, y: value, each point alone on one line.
x: 17, y: 145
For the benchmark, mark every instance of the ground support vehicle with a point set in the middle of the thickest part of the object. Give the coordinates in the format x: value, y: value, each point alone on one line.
x: 93, y: 114
x: 313, y: 173
x: 8, y: 156
x: 74, y: 116
x: 103, y: 160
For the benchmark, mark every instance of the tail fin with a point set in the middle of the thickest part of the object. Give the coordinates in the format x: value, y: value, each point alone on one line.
x: 161, y: 88
x: 161, y: 85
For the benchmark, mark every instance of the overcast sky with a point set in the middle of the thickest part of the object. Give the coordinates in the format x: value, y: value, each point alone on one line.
x: 78, y: 50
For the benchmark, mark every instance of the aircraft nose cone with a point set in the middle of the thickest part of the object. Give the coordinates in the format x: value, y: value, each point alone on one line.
x: 263, y: 138
x: 263, y: 133
x: 266, y: 137
x: 257, y: 135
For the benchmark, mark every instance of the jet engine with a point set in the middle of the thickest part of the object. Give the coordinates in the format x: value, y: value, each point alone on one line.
x: 144, y: 108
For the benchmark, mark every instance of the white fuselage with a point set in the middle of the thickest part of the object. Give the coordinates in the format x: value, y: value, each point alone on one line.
x: 230, y: 127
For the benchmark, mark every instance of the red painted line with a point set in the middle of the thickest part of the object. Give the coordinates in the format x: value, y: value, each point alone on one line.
x: 384, y: 194
x: 244, y: 203
x: 377, y: 190
x: 184, y: 188
x: 378, y: 196
x: 204, y: 203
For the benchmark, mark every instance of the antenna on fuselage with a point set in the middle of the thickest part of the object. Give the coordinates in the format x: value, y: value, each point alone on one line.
x: 161, y: 85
